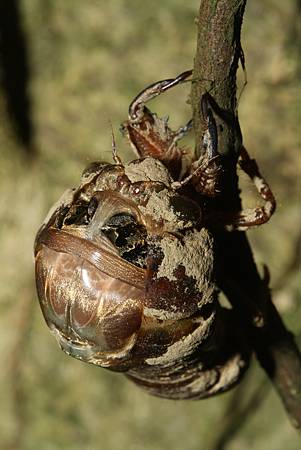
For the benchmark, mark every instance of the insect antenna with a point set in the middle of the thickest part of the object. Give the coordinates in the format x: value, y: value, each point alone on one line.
x: 116, y: 158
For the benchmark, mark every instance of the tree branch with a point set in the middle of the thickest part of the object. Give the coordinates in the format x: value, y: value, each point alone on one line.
x: 217, y: 57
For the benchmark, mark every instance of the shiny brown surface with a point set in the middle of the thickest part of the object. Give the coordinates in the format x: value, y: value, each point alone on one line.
x: 125, y: 268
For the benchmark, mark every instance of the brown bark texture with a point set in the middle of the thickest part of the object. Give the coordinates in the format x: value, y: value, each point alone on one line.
x: 218, y: 54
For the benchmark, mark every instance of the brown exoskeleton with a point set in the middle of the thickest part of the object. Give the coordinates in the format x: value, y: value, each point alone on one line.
x: 124, y: 262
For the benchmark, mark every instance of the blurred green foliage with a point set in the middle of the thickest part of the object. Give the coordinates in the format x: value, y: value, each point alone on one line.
x: 87, y: 61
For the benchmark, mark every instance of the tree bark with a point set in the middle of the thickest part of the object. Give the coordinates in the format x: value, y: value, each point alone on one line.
x: 216, y: 61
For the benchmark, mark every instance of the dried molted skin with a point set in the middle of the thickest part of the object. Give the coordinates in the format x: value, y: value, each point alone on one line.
x: 191, y: 379
x: 124, y: 262
x: 154, y: 137
x: 64, y: 201
x: 155, y: 321
x: 148, y: 169
x: 186, y: 345
x: 194, y: 252
x: 159, y: 208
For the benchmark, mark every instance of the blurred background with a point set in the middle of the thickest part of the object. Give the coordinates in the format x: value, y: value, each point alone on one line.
x: 67, y: 70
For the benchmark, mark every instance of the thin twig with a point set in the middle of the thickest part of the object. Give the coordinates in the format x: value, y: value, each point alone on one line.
x: 217, y: 57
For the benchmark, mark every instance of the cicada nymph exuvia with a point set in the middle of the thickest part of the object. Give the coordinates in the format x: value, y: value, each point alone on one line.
x: 125, y: 262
